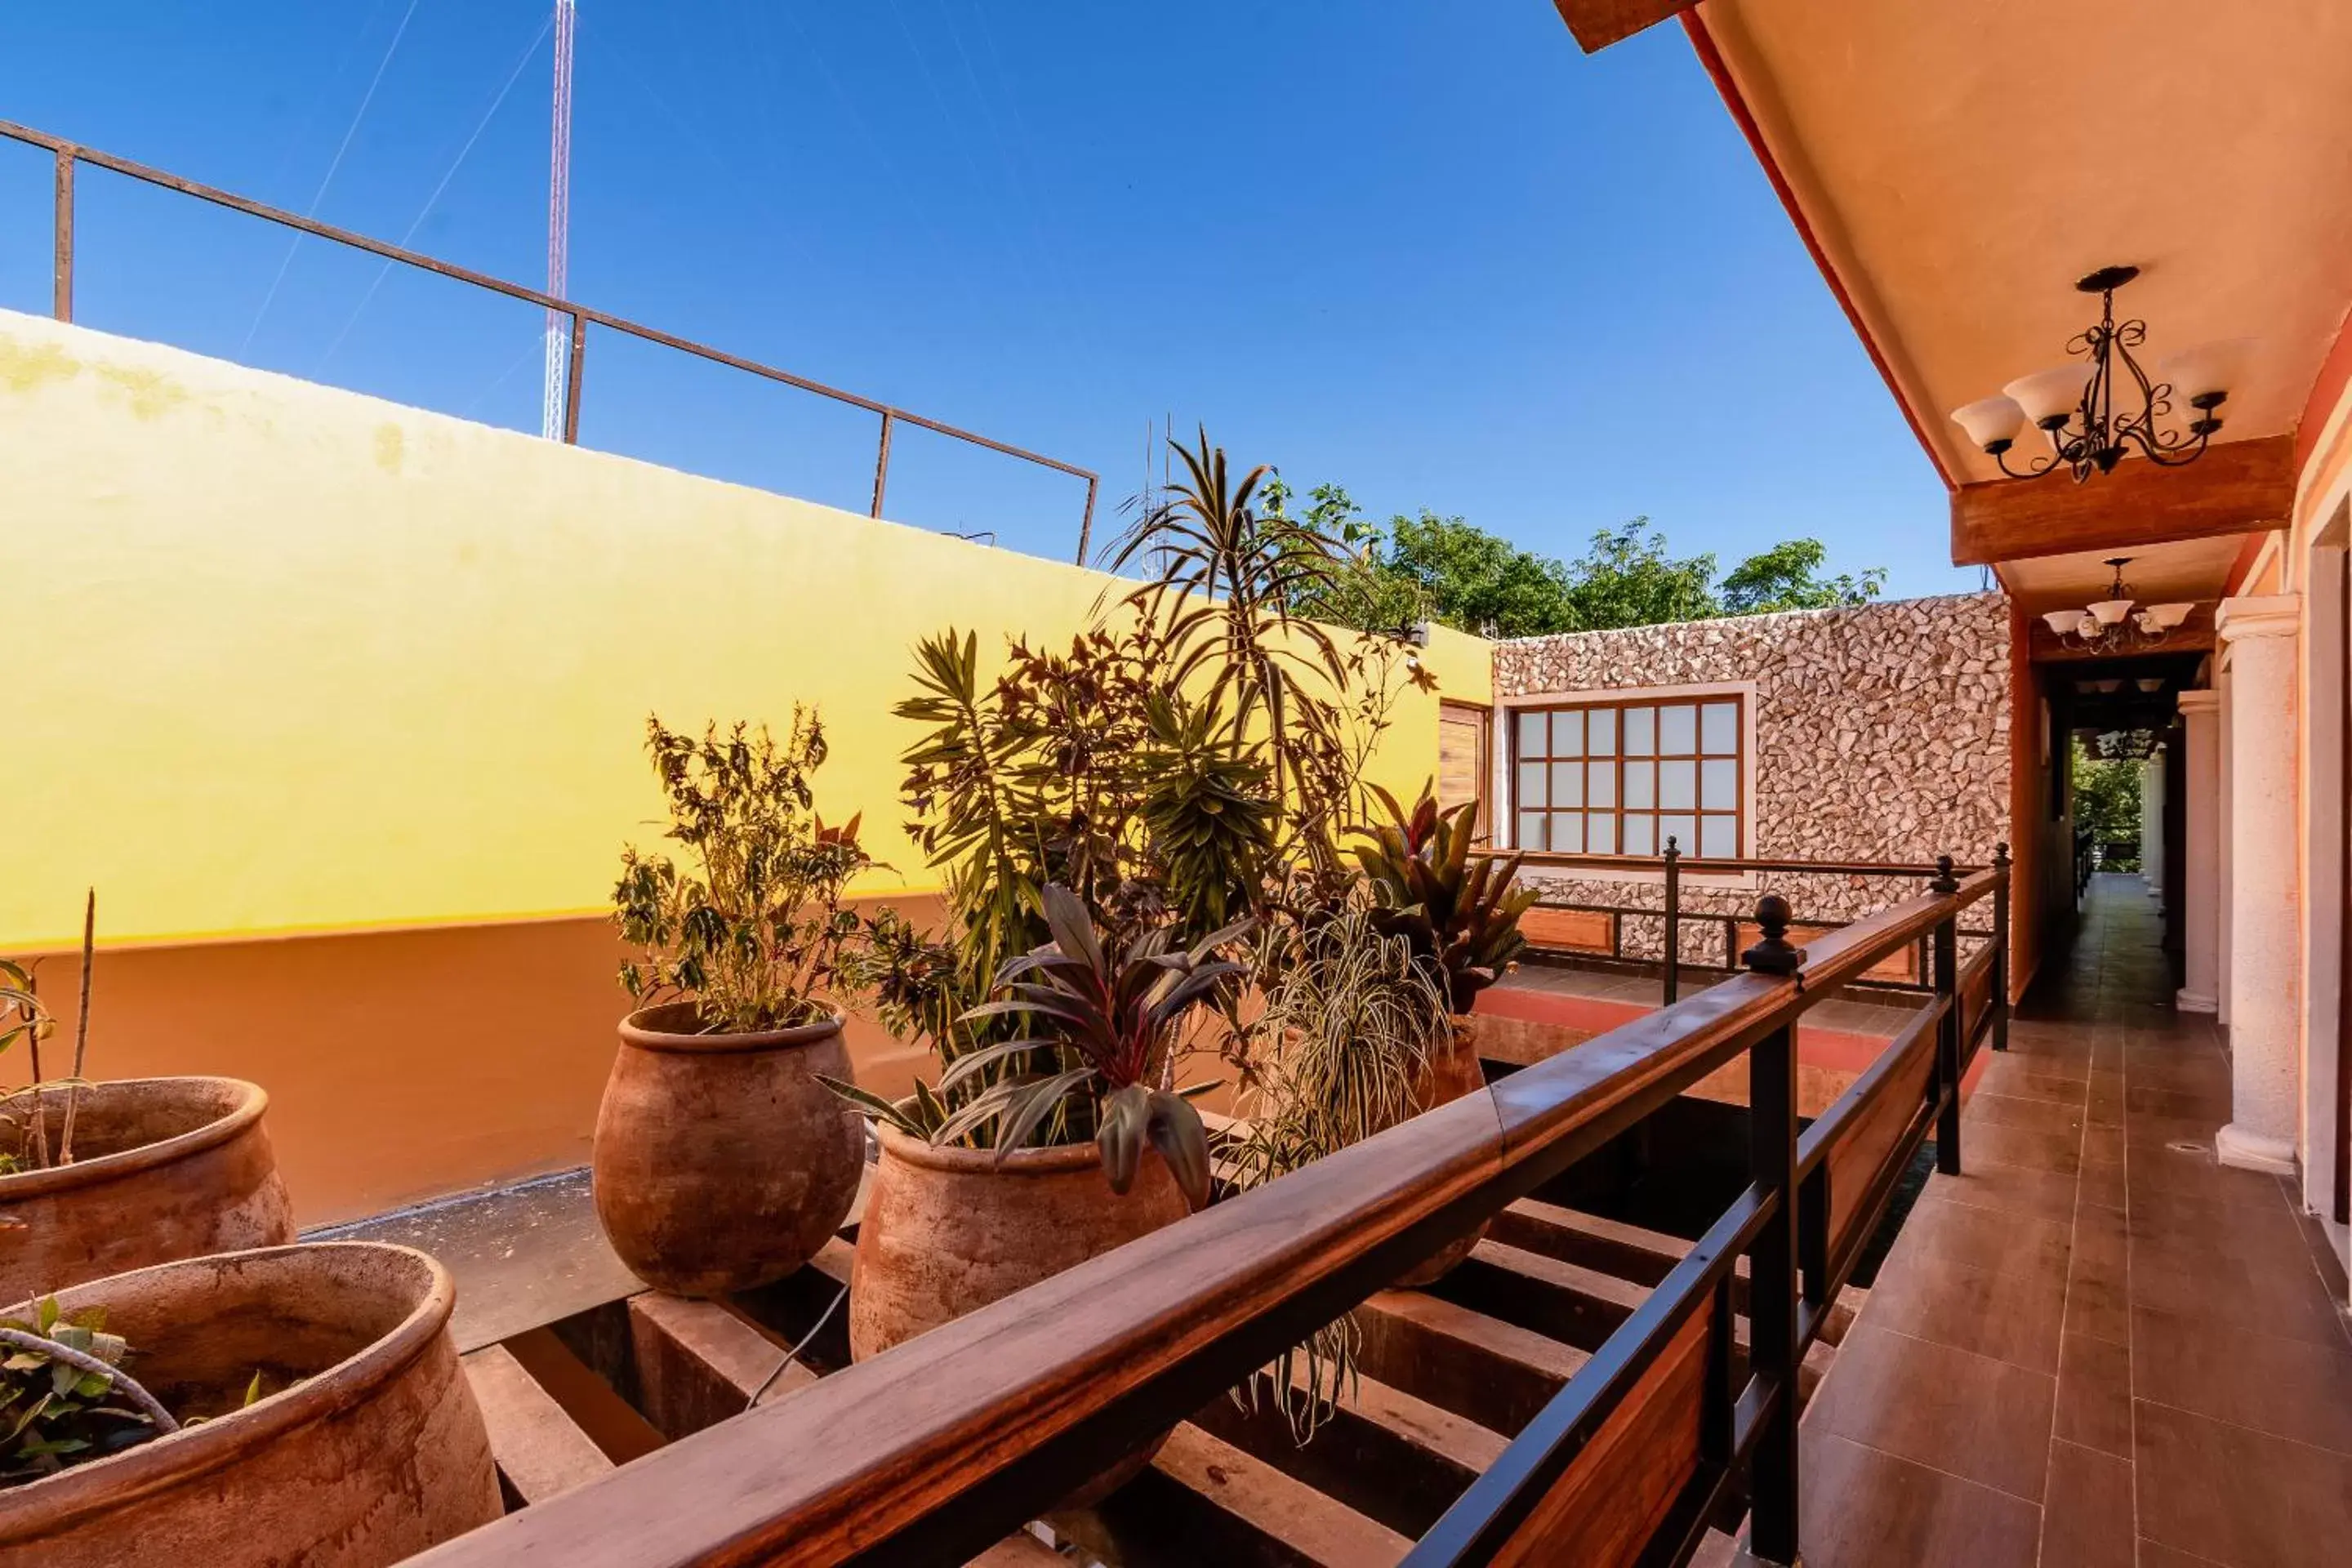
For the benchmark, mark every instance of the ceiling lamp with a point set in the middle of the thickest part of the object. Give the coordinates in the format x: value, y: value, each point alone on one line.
x: 2075, y: 404
x: 2109, y: 624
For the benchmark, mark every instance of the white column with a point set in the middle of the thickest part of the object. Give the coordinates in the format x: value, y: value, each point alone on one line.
x: 2201, y: 804
x: 2222, y: 683
x: 2264, y: 1012
x: 2151, y: 825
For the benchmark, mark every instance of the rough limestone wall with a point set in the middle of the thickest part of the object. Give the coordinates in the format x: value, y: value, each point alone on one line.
x: 1881, y: 734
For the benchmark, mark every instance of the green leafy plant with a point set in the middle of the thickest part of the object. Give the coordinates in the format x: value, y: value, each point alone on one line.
x: 1459, y: 912
x: 752, y: 931
x: 1355, y: 1019
x: 23, y: 1017
x: 64, y: 1396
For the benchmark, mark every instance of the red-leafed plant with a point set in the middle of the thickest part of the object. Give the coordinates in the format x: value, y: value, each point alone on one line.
x: 1105, y: 1021
x: 1460, y: 911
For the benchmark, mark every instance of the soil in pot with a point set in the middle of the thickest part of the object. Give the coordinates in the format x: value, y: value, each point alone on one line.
x: 164, y: 1168
x: 720, y: 1164
x: 370, y: 1449
x: 947, y: 1231
x: 1447, y: 1076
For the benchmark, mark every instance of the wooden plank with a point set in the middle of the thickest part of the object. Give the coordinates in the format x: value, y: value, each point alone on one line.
x: 1604, y: 1246
x: 1023, y: 1551
x: 1205, y: 1501
x: 697, y: 1363
x: 1900, y: 966
x: 1603, y: 1510
x: 1570, y: 931
x: 1579, y: 1306
x: 1596, y: 24
x: 2237, y: 487
x: 1390, y: 1457
x: 1865, y: 1142
x: 1496, y: 1373
x: 592, y: 1402
x: 541, y: 1451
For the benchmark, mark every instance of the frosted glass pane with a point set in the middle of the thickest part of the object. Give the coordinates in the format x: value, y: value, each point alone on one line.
x: 1682, y: 830
x: 1719, y: 783
x: 1531, y: 830
x: 1568, y: 734
x: 1601, y: 783
x: 1599, y: 833
x: 1719, y: 728
x: 1677, y: 730
x: 1677, y: 785
x: 1567, y: 784
x: 1531, y: 784
x: 1567, y: 832
x: 1600, y: 732
x: 1719, y: 838
x: 1641, y: 731
x: 1532, y: 735
x: 1642, y: 785
x: 1640, y: 833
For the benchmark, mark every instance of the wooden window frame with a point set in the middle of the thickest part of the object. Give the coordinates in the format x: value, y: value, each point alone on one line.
x: 1483, y: 824
x: 1618, y: 810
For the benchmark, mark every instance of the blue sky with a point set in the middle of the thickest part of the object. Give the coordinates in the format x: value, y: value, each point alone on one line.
x: 1430, y: 252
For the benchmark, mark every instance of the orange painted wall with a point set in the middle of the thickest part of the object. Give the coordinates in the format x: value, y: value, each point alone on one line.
x: 400, y: 1065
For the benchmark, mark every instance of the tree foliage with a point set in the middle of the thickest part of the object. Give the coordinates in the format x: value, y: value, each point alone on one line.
x: 1787, y: 577
x: 2106, y: 797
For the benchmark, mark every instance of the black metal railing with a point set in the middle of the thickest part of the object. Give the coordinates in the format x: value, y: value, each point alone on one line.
x: 70, y: 155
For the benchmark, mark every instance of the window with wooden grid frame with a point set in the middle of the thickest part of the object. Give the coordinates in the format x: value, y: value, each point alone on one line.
x: 1621, y: 777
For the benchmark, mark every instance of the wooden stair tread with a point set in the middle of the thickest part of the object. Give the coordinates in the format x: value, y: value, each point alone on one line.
x: 1482, y: 1368
x: 1021, y: 1551
x: 1204, y: 1501
x: 540, y: 1450
x: 698, y: 1362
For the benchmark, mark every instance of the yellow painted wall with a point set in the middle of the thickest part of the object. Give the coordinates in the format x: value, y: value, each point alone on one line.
x: 285, y: 659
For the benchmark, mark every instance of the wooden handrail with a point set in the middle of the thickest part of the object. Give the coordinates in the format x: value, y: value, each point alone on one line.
x: 942, y: 1446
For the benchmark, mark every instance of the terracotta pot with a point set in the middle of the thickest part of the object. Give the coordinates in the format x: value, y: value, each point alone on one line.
x: 378, y: 1453
x: 720, y: 1164
x: 946, y: 1231
x: 164, y: 1168
x: 1448, y: 1075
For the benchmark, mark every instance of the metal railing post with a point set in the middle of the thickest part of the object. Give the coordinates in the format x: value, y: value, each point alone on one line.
x: 1947, y: 1031
x: 1087, y: 521
x: 1772, y: 1278
x: 1674, y: 922
x: 882, y: 464
x: 62, y: 276
x: 2000, y: 937
x: 572, y: 380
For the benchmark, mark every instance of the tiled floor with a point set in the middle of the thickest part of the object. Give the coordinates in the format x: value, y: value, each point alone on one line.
x: 2097, y: 1346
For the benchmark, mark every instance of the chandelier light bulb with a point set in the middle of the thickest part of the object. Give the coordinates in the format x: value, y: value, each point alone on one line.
x: 1993, y: 423
x: 2168, y: 617
x: 2061, y: 622
x: 2050, y: 398
x: 2201, y: 376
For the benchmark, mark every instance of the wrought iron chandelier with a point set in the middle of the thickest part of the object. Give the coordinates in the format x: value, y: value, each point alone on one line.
x: 2075, y: 404
x: 2109, y: 624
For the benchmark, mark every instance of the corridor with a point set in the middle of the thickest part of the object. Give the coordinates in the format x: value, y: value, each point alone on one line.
x: 2096, y: 1346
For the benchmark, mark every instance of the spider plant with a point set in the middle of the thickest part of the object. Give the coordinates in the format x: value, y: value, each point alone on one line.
x: 1461, y: 912
x: 1355, y: 1019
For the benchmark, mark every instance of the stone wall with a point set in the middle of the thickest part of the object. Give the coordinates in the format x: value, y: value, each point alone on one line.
x: 1881, y: 733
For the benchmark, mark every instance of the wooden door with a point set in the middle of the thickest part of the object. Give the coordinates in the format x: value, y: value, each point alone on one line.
x: 1462, y: 759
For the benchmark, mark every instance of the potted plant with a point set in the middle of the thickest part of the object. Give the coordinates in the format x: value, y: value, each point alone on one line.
x: 1459, y: 910
x: 100, y: 1178
x: 721, y: 1161
x: 289, y: 1405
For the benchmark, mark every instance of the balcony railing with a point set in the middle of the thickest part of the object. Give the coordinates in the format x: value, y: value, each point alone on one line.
x: 932, y: 1452
x: 71, y: 157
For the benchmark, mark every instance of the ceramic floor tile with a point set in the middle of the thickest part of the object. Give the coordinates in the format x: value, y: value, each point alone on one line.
x: 1981, y: 1419
x: 2239, y: 1496
x: 2013, y: 1317
x: 2087, y: 1510
x: 2095, y: 1394
x: 2012, y: 1189
x: 2289, y: 1388
x: 1863, y: 1509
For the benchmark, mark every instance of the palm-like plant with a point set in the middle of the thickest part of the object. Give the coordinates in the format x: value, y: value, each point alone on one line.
x: 1228, y: 579
x: 1109, y: 1016
x: 1460, y: 911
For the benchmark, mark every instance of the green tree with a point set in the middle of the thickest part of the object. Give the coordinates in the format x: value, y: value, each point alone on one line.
x: 1627, y: 579
x: 2106, y: 799
x: 1785, y: 577
x: 1469, y: 578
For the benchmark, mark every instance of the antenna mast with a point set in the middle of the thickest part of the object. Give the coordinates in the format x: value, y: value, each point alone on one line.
x: 559, y: 228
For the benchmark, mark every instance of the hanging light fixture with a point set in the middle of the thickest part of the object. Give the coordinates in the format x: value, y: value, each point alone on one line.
x: 2110, y: 625
x: 2075, y: 404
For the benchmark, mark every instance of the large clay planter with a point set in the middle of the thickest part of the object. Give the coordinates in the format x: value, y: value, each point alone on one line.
x: 946, y: 1231
x: 164, y: 1168
x: 378, y: 1453
x: 720, y: 1164
x: 1448, y: 1075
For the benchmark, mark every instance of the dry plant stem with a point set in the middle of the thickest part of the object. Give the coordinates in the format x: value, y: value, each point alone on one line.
x: 37, y: 1131
x: 81, y: 1028
x: 124, y: 1384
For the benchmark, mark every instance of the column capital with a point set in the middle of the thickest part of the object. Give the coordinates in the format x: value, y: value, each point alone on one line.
x: 2201, y: 701
x: 2248, y: 617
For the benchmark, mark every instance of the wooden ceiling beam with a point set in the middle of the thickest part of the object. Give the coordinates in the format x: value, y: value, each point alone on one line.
x: 1598, y: 24
x: 2239, y: 487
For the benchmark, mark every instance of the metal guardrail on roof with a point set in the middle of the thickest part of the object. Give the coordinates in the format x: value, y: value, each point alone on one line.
x: 69, y: 155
